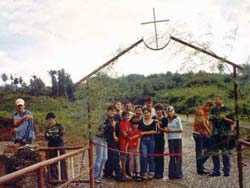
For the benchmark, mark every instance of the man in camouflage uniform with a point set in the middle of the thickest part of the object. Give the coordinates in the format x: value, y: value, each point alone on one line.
x: 222, y: 120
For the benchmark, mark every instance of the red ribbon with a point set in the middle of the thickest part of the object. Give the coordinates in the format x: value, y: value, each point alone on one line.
x: 138, y: 153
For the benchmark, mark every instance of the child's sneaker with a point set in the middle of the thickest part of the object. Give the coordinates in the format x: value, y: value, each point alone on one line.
x: 150, y: 176
x: 98, y: 181
x: 144, y: 177
x: 138, y: 178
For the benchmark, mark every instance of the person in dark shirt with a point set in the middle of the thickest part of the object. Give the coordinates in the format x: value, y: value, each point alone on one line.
x: 54, y: 135
x: 161, y: 122
x: 222, y: 120
x: 147, y: 127
x: 111, y: 132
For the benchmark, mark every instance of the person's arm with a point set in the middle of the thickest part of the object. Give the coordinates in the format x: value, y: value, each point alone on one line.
x: 179, y: 128
x: 47, y: 135
x: 167, y: 130
x: 211, y: 126
x: 164, y: 128
x: 126, y: 147
x: 18, y: 122
x: 134, y: 137
x: 113, y: 123
x: 124, y: 134
x: 138, y: 145
x: 230, y: 121
x: 204, y: 123
x: 175, y: 131
x: 148, y: 133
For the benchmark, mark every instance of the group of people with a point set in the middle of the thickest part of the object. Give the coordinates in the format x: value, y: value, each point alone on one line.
x: 214, y: 136
x: 131, y: 143
x: 24, y: 135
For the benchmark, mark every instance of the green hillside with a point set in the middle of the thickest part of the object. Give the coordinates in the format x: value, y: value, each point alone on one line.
x: 184, y: 91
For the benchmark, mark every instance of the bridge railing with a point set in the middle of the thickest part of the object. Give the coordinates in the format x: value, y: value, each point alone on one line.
x: 241, y: 144
x: 40, y: 167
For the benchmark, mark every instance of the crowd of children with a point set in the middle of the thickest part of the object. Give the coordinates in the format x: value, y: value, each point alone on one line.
x: 132, y: 142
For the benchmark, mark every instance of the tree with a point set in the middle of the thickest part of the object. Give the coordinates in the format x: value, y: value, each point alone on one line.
x: 61, y: 82
x: 54, y: 87
x: 221, y: 68
x: 69, y: 88
x: 4, y: 78
x: 20, y: 80
x: 15, y: 82
x: 37, y: 86
x: 11, y: 77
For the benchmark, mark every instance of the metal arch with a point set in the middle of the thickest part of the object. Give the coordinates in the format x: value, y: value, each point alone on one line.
x: 156, y: 49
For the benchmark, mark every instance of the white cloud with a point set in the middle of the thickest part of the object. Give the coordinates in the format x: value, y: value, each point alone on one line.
x: 81, y: 35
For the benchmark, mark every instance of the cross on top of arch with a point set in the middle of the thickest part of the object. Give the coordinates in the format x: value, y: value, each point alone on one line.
x: 155, y: 28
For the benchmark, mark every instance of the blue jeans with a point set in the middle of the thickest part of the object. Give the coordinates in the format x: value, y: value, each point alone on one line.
x: 147, y: 147
x: 201, y: 143
x: 100, y: 157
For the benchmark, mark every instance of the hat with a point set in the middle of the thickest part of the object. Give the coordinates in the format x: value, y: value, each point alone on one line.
x: 170, y: 108
x: 20, y: 102
x: 50, y: 115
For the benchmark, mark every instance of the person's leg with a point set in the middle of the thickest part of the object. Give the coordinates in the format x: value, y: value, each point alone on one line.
x: 137, y: 164
x: 178, y: 158
x: 53, y: 167
x: 161, y: 158
x: 215, y: 155
x: 108, y: 170
x: 98, y: 158
x: 158, y: 164
x: 171, y: 166
x: 127, y: 165
x: 216, y: 162
x: 116, y: 163
x: 144, y: 157
x: 64, y: 173
x: 226, y: 165
x: 123, y: 164
x: 201, y: 148
x: 104, y: 155
x: 131, y: 162
x: 206, y: 149
x: 151, y: 149
x: 198, y: 151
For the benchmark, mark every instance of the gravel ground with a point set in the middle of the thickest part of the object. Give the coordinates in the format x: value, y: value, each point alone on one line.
x: 190, y: 179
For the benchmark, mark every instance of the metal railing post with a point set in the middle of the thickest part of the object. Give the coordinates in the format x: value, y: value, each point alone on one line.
x: 72, y: 167
x: 90, y: 150
x: 40, y: 178
x: 59, y: 167
x: 239, y: 154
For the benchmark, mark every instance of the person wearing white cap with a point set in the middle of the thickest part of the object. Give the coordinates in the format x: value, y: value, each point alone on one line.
x: 23, y: 122
x: 174, y: 130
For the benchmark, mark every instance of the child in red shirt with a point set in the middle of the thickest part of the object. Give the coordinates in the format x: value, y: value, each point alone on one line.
x: 125, y: 128
x: 133, y: 146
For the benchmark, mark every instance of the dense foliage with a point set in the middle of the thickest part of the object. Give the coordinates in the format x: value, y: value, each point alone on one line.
x: 184, y: 91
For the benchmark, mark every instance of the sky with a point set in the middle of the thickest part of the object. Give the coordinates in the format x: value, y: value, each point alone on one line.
x: 80, y: 35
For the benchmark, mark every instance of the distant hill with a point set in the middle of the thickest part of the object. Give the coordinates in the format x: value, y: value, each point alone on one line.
x: 184, y: 91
